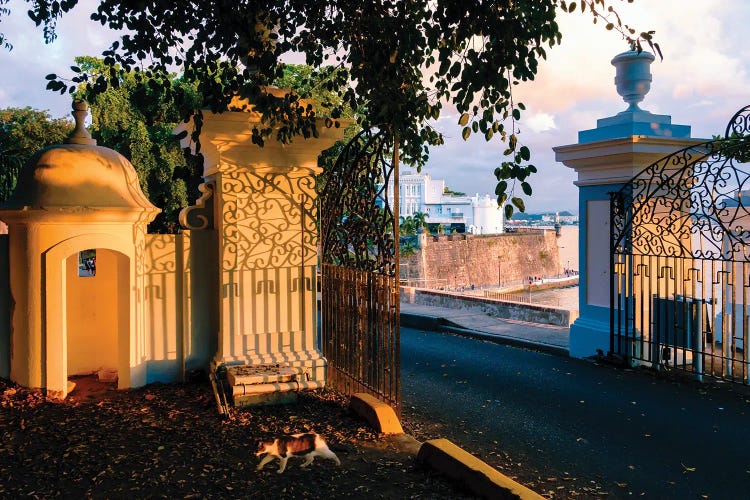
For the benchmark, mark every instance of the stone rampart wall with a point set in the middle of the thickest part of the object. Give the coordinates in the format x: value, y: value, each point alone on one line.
x: 456, y: 261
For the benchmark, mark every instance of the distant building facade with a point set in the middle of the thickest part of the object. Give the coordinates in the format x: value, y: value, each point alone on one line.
x: 560, y: 218
x: 419, y: 192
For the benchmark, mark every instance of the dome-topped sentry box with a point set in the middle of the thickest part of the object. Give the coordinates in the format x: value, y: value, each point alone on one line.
x: 72, y: 200
x: 80, y: 175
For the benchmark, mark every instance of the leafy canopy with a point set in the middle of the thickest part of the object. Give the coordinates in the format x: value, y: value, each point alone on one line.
x: 137, y: 121
x: 410, y: 224
x: 398, y: 62
x: 23, y: 132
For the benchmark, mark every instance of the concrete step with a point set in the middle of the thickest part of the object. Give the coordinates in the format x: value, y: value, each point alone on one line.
x: 262, y: 374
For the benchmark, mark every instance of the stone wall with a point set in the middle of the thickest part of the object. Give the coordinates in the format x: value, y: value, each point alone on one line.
x: 460, y: 260
x: 504, y: 309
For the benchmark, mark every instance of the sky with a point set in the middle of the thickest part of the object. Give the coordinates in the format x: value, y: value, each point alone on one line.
x: 702, y: 81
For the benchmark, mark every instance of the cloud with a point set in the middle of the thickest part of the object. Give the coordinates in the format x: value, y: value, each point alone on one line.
x: 25, y: 67
x: 540, y: 122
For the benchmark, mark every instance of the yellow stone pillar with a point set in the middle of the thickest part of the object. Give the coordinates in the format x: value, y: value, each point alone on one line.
x: 25, y: 282
x: 264, y: 213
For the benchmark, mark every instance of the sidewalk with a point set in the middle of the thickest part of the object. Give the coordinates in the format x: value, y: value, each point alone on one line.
x: 546, y: 338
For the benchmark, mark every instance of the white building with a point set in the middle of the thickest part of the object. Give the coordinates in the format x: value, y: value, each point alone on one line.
x: 419, y: 192
x: 488, y: 217
x: 560, y: 218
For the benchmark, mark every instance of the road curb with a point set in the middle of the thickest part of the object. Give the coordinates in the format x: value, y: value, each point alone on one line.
x: 476, y: 475
x: 378, y: 414
x: 422, y: 321
x: 439, y: 324
x: 440, y: 454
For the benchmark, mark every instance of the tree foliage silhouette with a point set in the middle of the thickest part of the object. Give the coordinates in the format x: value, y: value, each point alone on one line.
x: 402, y: 62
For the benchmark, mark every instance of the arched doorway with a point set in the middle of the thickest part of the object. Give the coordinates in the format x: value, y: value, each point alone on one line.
x: 93, y: 313
x: 88, y: 318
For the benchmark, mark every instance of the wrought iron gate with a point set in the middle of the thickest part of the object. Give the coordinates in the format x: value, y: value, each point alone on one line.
x: 360, y: 295
x: 680, y: 259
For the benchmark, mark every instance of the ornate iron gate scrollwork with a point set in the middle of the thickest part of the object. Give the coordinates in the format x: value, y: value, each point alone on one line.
x: 680, y: 259
x: 360, y: 295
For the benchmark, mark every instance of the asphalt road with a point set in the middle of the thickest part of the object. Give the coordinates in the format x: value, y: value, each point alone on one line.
x: 576, y: 428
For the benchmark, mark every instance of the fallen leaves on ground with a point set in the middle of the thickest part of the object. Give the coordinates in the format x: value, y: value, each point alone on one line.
x: 491, y: 451
x: 169, y: 441
x: 686, y: 469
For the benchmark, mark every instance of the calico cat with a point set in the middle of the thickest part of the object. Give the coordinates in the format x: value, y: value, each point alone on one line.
x: 308, y: 444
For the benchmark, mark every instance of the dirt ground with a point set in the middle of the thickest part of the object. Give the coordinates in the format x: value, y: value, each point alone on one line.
x: 169, y: 441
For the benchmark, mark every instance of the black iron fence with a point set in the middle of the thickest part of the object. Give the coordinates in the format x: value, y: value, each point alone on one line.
x: 680, y: 260
x: 359, y: 289
x: 360, y: 311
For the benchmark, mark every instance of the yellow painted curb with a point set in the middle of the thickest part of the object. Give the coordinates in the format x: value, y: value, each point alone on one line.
x: 378, y: 414
x: 483, y: 480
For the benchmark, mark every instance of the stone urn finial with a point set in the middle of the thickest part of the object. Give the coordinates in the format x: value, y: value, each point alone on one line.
x: 80, y: 135
x: 633, y: 77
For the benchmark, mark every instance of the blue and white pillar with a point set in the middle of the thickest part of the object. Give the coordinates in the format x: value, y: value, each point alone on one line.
x: 605, y: 158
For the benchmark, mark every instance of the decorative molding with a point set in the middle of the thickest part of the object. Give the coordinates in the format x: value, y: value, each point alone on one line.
x: 200, y: 215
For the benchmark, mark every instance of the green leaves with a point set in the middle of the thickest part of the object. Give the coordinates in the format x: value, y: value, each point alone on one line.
x: 135, y: 112
x: 23, y: 132
x: 57, y: 86
x: 475, y: 53
x: 515, y: 169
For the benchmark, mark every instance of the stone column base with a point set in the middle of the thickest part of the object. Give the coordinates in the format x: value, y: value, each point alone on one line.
x: 588, y: 337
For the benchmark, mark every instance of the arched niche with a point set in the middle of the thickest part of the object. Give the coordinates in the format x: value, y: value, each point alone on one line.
x: 68, y: 300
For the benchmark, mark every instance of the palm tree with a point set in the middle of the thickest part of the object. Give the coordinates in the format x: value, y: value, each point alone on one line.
x: 420, y: 220
x: 407, y: 226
